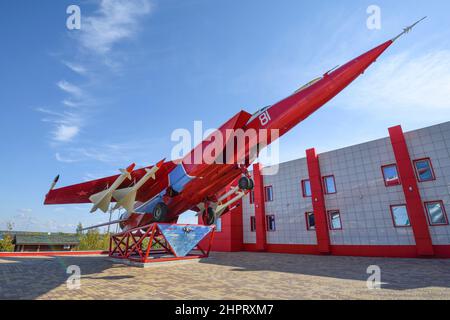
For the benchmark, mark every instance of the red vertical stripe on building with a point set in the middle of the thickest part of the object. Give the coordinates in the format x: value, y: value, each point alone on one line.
x: 231, y: 237
x: 318, y: 200
x: 414, y: 204
x: 260, y: 208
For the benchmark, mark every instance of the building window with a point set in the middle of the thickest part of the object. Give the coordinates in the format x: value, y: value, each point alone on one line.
x: 268, y: 193
x: 334, y: 218
x: 306, y: 188
x: 400, y: 216
x: 252, y: 224
x: 219, y: 225
x: 66, y: 247
x: 390, y: 175
x: 310, y: 222
x: 270, y: 223
x: 436, y: 213
x: 251, y: 196
x: 424, y: 170
x: 329, y: 184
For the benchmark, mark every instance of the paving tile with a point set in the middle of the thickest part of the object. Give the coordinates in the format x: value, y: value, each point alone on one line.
x: 240, y: 275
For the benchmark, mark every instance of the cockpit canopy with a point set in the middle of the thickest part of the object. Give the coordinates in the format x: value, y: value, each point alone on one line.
x: 309, y: 84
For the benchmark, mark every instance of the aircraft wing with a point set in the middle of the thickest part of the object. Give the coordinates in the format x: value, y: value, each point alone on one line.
x: 84, y: 192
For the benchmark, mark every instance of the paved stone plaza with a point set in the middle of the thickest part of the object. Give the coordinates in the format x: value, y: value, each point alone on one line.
x: 226, y: 276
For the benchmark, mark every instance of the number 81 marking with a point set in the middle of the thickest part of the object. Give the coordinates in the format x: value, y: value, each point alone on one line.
x: 264, y: 118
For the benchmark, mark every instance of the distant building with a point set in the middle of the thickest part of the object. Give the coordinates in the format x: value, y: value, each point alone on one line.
x: 45, y: 242
x: 37, y: 241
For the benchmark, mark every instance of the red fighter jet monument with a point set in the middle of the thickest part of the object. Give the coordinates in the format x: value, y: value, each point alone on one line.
x: 154, y: 197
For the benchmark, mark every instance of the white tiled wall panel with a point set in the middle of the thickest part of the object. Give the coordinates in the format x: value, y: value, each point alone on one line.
x: 434, y: 143
x: 288, y: 205
x: 362, y: 197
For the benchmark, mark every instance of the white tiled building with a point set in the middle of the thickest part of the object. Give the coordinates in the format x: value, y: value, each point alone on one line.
x: 365, y: 207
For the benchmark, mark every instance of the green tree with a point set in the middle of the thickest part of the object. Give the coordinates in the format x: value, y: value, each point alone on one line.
x: 93, y: 240
x: 6, y: 244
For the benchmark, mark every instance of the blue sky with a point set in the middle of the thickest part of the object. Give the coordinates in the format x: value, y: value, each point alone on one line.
x: 84, y: 103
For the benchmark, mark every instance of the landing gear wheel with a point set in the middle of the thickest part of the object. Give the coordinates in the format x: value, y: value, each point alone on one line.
x: 160, y: 212
x: 209, y: 218
x: 252, y: 185
x: 246, y: 183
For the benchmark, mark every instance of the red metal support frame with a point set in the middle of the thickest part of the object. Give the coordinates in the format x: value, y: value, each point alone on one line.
x: 260, y: 208
x: 318, y: 201
x: 413, y: 199
x: 140, y: 245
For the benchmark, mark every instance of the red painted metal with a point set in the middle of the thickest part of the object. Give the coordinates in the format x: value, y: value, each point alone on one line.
x: 140, y: 245
x: 210, y: 179
x: 260, y: 208
x: 391, y: 251
x: 413, y: 199
x: 318, y: 201
x: 51, y: 253
x: 230, y: 239
x: 231, y: 236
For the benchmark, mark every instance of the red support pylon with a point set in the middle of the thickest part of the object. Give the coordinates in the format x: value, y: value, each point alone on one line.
x: 148, y: 244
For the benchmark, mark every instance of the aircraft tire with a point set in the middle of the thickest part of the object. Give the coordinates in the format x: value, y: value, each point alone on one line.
x: 246, y: 183
x: 251, y: 185
x: 160, y: 212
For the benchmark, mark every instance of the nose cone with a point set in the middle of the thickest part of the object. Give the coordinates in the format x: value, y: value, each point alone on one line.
x: 350, y: 71
x: 366, y: 59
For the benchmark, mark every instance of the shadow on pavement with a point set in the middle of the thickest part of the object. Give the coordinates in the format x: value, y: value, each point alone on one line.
x: 396, y: 274
x: 28, y: 278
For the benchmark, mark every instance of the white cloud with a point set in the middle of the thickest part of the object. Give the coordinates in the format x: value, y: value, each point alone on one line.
x: 70, y: 88
x: 67, y: 124
x: 64, y: 159
x: 70, y: 103
x: 101, y: 153
x: 65, y: 133
x: 115, y: 20
x: 406, y: 87
x: 77, y: 68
